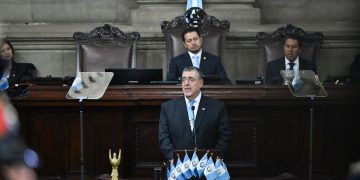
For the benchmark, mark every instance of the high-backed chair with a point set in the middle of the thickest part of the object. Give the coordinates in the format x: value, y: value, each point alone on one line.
x: 271, y: 45
x: 105, y: 47
x: 212, y: 30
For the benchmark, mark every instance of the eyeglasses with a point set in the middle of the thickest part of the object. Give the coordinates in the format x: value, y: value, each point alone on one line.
x: 190, y: 79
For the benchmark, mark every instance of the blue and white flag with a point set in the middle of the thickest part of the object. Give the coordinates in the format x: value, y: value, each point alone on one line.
x: 186, y: 166
x: 171, y: 172
x: 194, y: 3
x: 178, y: 172
x: 222, y: 172
x: 4, y: 84
x: 194, y: 162
x: 201, y: 165
x: 227, y: 174
x: 210, y: 170
x: 168, y: 171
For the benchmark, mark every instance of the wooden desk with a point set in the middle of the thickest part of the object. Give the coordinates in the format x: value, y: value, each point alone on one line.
x: 269, y: 130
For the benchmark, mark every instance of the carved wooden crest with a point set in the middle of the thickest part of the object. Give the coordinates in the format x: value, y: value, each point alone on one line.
x: 106, y: 33
x: 207, y: 21
x: 280, y: 33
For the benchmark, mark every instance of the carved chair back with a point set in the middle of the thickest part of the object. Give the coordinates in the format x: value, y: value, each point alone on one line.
x: 271, y: 45
x: 105, y: 47
x: 212, y: 30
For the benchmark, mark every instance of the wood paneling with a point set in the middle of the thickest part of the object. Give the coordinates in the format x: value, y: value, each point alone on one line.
x: 270, y: 130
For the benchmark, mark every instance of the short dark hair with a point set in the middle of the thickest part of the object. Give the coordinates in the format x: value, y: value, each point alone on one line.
x: 188, y: 30
x: 294, y: 36
x: 192, y: 68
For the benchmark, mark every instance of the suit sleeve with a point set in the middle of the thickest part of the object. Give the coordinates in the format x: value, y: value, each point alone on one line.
x: 224, y: 132
x: 166, y: 145
x: 272, y: 73
x: 173, y: 73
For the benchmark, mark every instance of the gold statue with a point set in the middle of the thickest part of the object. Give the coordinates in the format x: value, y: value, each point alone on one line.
x: 114, y: 161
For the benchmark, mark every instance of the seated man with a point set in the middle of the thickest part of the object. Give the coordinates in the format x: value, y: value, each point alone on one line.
x: 291, y: 61
x: 209, y: 64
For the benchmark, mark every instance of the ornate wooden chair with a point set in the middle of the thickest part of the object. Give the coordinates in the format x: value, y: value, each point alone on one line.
x: 213, y: 33
x: 271, y: 45
x: 105, y: 47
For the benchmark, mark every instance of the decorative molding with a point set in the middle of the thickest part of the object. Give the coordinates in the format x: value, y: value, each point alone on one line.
x: 177, y: 21
x: 213, y: 21
x: 107, y: 33
x: 207, y: 20
x: 206, y: 2
x: 280, y: 33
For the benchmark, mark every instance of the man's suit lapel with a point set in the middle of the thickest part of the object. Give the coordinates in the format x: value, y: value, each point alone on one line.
x: 203, y: 59
x: 188, y: 61
x: 202, y: 108
x: 302, y: 65
x: 280, y: 66
x: 183, y: 114
x: 205, y: 63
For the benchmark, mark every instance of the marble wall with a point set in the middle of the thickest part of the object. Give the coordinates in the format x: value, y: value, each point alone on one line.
x: 41, y: 30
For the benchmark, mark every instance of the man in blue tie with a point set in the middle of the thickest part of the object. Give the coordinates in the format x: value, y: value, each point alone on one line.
x: 209, y: 64
x: 210, y: 129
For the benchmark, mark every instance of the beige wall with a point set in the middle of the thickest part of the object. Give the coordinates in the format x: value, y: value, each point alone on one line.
x: 41, y: 30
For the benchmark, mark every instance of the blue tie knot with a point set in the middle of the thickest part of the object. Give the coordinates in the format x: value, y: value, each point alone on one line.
x: 196, y: 61
x: 191, y: 103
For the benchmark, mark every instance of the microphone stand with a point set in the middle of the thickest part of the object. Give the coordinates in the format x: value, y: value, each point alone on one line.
x: 312, y: 102
x: 82, y: 169
x: 194, y: 129
x: 93, y: 87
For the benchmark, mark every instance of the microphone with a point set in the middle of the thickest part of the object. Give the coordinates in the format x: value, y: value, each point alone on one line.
x: 194, y: 130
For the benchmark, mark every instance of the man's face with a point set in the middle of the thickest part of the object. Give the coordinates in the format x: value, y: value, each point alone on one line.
x: 6, y: 52
x: 191, y: 84
x: 192, y: 42
x: 291, y: 49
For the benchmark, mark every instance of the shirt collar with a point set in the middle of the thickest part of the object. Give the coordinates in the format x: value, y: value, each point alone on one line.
x: 197, y: 54
x: 197, y: 99
x: 296, y: 60
x: 296, y: 66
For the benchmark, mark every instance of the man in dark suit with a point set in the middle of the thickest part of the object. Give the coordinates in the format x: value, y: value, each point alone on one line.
x: 193, y: 120
x: 209, y: 64
x: 291, y: 61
